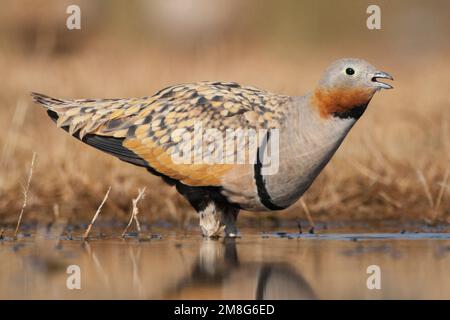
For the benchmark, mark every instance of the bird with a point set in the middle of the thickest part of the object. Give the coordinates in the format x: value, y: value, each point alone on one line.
x: 302, y: 133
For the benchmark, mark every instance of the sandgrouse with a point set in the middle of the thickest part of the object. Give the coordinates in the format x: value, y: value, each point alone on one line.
x: 153, y: 131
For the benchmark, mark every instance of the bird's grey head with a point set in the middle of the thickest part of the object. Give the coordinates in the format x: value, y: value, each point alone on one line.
x: 354, y: 73
x: 347, y: 86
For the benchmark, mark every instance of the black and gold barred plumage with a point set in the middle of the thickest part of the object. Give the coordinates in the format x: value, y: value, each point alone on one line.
x: 146, y: 124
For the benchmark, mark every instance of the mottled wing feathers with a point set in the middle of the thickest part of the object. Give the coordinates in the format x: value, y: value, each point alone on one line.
x: 111, y: 145
x: 88, y: 115
x: 145, y: 127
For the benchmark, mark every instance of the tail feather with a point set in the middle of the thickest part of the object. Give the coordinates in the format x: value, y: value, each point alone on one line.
x: 46, y: 101
x: 80, y: 116
x: 77, y: 120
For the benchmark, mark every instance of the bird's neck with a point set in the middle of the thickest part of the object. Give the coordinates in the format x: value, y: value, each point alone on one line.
x: 307, y: 142
x: 312, y: 130
x: 341, y: 102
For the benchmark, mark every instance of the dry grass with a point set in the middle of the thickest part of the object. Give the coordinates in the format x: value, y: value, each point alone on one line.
x: 134, y: 213
x: 94, y: 218
x: 393, y: 165
x: 26, y: 189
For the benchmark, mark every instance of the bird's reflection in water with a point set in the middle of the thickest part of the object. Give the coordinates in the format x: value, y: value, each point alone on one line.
x: 281, y: 281
x: 219, y: 273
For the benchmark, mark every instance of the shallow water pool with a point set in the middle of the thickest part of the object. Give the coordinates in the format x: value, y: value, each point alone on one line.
x: 256, y: 266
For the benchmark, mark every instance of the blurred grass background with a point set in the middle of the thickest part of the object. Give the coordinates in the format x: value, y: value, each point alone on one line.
x: 393, y: 166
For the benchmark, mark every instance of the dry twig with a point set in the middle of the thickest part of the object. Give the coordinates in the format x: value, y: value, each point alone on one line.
x: 25, y: 194
x: 135, y: 212
x: 86, y: 234
x: 426, y: 188
x: 389, y: 200
x: 308, y: 215
x: 442, y: 189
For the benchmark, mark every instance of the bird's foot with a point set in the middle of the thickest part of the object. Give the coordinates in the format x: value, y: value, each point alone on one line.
x: 210, y: 222
x: 229, y: 217
x: 233, y: 235
x: 231, y: 231
x: 216, y: 221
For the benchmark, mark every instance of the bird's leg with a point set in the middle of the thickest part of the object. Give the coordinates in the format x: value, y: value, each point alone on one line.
x: 229, y: 217
x: 215, y: 219
x: 210, y: 221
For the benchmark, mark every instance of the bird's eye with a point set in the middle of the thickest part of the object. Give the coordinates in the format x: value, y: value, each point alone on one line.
x: 350, y: 71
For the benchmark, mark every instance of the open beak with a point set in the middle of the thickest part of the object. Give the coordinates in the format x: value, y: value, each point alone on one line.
x: 382, y: 75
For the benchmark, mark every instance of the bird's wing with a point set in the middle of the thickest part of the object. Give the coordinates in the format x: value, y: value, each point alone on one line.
x: 143, y: 131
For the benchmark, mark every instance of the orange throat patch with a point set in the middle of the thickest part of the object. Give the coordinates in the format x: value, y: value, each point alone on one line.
x: 339, y: 100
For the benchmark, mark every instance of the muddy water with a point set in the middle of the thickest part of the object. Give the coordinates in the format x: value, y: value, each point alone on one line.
x: 269, y: 266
